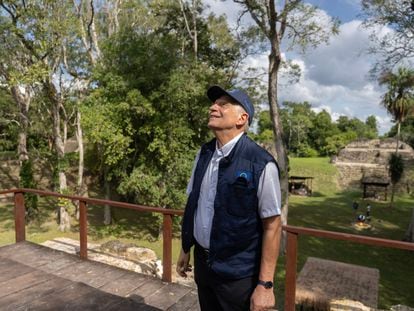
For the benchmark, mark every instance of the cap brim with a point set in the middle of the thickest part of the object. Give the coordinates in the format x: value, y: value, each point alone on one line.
x: 215, y: 92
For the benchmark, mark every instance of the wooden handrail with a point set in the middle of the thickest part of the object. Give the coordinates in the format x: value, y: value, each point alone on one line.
x: 292, y: 234
x: 19, y: 216
x: 137, y: 207
x: 292, y: 249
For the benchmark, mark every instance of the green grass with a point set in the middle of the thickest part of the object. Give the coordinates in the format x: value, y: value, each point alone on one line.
x: 329, y: 209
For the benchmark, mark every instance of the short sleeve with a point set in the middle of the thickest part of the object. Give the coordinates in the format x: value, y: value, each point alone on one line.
x: 268, y: 192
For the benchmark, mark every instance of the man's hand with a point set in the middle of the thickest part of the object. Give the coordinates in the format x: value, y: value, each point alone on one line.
x: 262, y: 299
x: 183, y: 264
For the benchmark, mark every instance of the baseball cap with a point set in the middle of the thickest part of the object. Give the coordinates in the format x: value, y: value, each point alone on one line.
x: 215, y: 92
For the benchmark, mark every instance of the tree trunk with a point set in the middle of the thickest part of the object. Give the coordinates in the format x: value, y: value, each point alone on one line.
x: 409, y: 235
x: 107, y: 208
x: 58, y: 145
x: 282, y: 159
x: 22, y: 98
x: 79, y: 136
x: 195, y: 34
x: 394, y: 186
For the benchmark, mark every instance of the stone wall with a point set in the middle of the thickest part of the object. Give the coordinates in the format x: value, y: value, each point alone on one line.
x: 363, y: 159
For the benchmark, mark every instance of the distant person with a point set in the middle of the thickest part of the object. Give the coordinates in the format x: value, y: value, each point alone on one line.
x: 368, y: 211
x: 361, y: 218
x: 355, y: 206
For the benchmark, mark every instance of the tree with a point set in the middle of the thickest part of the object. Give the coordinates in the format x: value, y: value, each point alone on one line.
x: 396, y: 169
x: 406, y: 131
x: 372, y: 127
x: 292, y: 21
x: 323, y: 127
x: 397, y: 45
x: 399, y: 102
x: 399, y: 98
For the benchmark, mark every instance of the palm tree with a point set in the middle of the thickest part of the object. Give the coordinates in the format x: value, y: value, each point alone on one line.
x: 399, y: 98
x: 399, y: 102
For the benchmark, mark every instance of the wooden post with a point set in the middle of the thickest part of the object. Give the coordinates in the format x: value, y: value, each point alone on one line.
x: 167, y: 248
x: 83, y: 230
x: 19, y: 217
x: 291, y: 261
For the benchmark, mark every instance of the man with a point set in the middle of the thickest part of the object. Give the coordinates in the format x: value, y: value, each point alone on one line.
x: 232, y: 214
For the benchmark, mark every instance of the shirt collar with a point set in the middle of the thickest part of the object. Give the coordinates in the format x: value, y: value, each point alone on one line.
x: 227, y: 148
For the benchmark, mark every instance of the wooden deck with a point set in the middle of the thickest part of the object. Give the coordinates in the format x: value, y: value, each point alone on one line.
x: 34, y: 277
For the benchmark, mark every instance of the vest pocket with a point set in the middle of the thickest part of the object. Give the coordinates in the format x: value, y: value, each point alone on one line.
x: 241, y: 198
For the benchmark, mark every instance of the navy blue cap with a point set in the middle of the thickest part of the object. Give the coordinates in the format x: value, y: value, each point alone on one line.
x: 215, y: 92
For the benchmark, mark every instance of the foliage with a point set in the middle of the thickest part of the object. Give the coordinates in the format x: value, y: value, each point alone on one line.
x: 27, y: 181
x: 308, y: 134
x: 147, y: 115
x: 407, y: 131
x: 396, y: 167
x: 396, y: 46
x: 8, y: 123
x: 399, y: 98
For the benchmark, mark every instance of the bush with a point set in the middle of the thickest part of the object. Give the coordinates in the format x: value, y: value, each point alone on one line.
x: 305, y: 151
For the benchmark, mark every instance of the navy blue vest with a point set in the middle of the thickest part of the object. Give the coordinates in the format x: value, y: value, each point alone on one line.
x: 236, y: 233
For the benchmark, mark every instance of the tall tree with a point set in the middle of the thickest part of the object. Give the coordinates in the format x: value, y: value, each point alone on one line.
x: 399, y: 102
x: 41, y: 29
x: 297, y: 23
x: 399, y: 97
x: 397, y: 45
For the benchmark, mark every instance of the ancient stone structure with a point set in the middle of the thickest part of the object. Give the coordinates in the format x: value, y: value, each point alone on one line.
x: 368, y: 160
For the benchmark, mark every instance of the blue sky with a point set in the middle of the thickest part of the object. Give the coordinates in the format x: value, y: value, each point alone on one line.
x: 335, y: 77
x: 345, y: 10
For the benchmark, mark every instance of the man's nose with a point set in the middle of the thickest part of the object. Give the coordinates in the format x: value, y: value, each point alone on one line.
x: 213, y: 107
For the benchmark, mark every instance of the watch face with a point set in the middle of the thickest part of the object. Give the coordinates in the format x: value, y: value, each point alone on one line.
x: 267, y: 285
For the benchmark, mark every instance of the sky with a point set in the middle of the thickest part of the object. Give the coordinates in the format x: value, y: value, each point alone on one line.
x: 335, y: 77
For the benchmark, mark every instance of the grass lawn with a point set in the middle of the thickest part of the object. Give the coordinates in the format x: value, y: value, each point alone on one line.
x: 329, y: 209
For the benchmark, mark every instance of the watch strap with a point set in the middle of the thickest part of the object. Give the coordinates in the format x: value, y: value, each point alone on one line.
x: 266, y: 284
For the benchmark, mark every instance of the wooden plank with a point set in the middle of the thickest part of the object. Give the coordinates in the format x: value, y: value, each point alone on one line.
x: 26, y: 296
x: 61, y: 299
x: 186, y: 302
x: 87, y: 272
x: 167, y: 296
x: 11, y: 269
x: 124, y: 285
x: 39, y: 278
x: 23, y: 281
x: 146, y: 289
x: 59, y: 263
x: 130, y: 305
x: 31, y: 254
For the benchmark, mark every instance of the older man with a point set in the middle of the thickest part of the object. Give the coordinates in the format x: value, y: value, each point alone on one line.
x: 232, y: 214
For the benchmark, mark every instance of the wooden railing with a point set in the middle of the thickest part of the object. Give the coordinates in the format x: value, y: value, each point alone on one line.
x: 292, y: 251
x: 20, y: 230
x: 292, y: 234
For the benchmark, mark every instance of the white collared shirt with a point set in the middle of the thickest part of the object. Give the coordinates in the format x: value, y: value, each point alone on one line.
x: 268, y: 192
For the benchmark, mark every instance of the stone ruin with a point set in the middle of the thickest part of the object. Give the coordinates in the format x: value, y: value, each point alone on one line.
x: 368, y: 160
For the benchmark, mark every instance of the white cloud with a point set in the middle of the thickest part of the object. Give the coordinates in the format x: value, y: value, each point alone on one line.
x: 334, y: 77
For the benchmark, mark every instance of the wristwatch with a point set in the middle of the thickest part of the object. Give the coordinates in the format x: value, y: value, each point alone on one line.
x: 267, y: 285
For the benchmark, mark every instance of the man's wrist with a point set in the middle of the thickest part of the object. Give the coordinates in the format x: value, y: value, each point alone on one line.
x: 265, y: 284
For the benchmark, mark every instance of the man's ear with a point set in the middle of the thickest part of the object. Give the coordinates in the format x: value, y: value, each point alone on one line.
x: 243, y: 118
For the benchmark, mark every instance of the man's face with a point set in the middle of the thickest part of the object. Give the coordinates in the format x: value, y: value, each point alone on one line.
x: 225, y: 114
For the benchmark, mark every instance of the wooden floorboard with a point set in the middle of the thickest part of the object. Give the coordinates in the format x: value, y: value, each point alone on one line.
x: 34, y: 277
x: 167, y: 296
